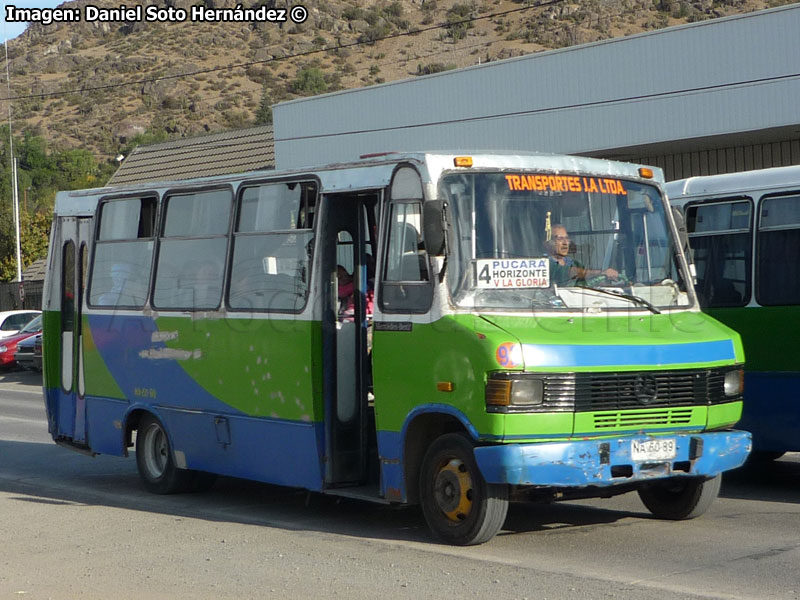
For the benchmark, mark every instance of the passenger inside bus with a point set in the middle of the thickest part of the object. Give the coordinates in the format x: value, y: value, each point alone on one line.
x: 118, y: 294
x: 345, y: 293
x: 563, y: 268
x: 346, y: 289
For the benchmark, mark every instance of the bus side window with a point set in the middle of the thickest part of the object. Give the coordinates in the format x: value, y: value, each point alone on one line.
x: 406, y: 285
x: 777, y: 270
x: 720, y: 235
x: 191, y: 254
x: 273, y: 243
x: 123, y: 252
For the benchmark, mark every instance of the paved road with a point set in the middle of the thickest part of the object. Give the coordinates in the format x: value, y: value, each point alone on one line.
x: 79, y: 527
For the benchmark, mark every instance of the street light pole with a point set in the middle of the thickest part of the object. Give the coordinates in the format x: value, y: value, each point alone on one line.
x: 15, y: 189
x: 16, y: 220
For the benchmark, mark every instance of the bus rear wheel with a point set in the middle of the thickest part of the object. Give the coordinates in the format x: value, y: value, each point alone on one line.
x: 680, y: 498
x: 459, y: 506
x: 155, y: 462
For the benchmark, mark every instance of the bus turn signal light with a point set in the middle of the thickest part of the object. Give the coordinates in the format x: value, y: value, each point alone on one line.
x: 498, y: 392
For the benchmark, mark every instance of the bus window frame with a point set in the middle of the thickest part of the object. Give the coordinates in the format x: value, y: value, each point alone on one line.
x: 757, y: 232
x: 429, y: 283
x: 243, y: 186
x: 96, y: 241
x: 750, y: 296
x: 68, y: 248
x: 161, y: 222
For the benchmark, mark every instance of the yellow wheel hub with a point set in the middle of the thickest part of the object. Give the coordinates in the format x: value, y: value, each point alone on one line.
x: 452, y: 490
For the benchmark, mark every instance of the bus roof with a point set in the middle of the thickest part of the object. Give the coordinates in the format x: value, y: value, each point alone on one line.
x: 370, y: 172
x: 732, y: 183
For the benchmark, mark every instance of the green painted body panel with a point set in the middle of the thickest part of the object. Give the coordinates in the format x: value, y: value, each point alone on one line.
x: 408, y: 364
x: 551, y: 426
x: 461, y: 349
x: 724, y: 415
x: 51, y: 348
x: 598, y: 424
x: 98, y: 379
x: 262, y: 367
x: 770, y: 334
x: 666, y: 328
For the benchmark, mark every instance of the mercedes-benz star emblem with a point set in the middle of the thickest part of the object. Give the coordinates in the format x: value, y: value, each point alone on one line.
x: 645, y: 388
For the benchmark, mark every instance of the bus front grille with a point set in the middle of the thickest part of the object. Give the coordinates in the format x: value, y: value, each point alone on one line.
x: 631, y: 390
x: 633, y: 420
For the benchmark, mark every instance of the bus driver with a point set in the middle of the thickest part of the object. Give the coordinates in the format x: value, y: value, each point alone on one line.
x: 565, y: 269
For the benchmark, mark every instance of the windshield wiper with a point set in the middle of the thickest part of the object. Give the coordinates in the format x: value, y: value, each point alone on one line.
x: 630, y: 297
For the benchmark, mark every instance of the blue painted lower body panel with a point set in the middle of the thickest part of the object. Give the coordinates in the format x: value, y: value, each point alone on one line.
x: 589, y: 462
x: 771, y: 410
x: 269, y: 450
x: 390, y: 455
x: 274, y: 451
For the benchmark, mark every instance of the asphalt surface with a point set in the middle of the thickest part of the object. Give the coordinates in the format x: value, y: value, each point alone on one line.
x: 80, y: 527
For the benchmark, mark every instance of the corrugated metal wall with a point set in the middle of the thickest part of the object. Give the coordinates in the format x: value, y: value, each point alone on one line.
x: 725, y: 160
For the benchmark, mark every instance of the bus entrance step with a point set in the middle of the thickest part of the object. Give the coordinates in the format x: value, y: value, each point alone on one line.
x: 368, y: 492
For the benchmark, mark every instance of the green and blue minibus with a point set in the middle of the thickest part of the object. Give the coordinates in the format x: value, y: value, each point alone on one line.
x: 393, y: 329
x: 744, y: 231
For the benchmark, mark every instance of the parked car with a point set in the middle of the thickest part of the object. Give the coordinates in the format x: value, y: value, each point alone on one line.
x: 11, y: 321
x: 8, y: 346
x: 25, y: 352
x: 37, y: 353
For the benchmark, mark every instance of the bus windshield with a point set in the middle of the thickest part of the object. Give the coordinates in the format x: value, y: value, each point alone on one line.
x: 541, y: 241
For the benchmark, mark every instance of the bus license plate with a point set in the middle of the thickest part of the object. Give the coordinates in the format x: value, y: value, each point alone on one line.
x: 658, y: 449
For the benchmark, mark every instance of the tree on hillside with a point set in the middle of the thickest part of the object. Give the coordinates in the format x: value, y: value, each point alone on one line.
x: 264, y: 112
x: 310, y: 81
x: 458, y: 19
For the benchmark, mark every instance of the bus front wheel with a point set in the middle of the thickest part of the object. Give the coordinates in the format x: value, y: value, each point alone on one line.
x: 459, y: 506
x: 154, y: 460
x: 680, y: 498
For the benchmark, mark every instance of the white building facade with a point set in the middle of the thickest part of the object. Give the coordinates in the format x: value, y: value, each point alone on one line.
x: 711, y: 97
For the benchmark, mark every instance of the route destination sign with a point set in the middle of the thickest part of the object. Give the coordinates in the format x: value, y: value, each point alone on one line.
x: 508, y: 273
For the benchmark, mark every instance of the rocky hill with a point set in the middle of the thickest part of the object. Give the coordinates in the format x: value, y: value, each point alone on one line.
x: 100, y: 84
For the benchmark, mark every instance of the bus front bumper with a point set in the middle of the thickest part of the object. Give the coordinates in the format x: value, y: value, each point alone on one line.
x: 606, y: 462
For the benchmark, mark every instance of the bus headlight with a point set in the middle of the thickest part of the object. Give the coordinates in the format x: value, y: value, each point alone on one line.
x: 510, y: 394
x: 734, y: 383
x: 3, y: 348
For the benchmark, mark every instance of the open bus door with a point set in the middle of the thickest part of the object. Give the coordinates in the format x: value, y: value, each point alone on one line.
x: 65, y: 380
x: 347, y: 258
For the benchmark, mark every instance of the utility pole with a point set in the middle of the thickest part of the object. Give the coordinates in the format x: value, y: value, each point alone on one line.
x: 14, y: 186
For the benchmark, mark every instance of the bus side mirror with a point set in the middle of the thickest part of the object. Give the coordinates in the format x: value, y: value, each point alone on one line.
x: 434, y: 226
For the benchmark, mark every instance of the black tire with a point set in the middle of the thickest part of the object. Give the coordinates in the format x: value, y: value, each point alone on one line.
x: 155, y: 461
x: 680, y: 498
x: 459, y: 506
